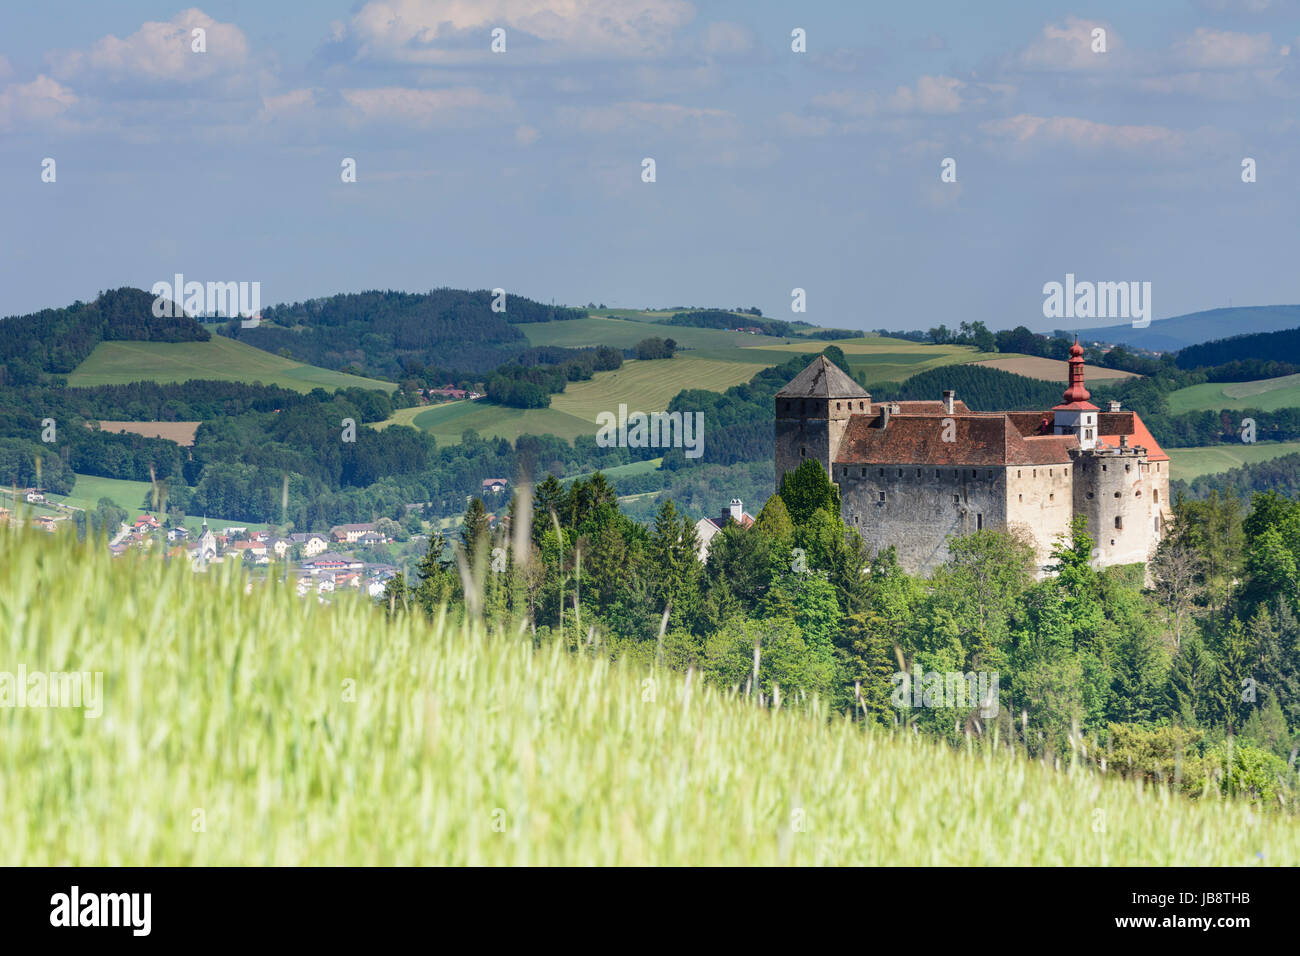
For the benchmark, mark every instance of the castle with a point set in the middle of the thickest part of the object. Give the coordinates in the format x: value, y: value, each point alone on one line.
x: 916, y: 474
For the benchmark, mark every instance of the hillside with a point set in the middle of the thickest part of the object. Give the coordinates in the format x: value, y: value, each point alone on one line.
x: 1178, y: 332
x: 326, y: 735
x: 219, y: 358
x: 389, y: 334
x: 1267, y: 395
x: 1191, y: 463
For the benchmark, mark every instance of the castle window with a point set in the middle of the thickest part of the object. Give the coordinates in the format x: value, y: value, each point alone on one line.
x: 1119, y: 522
x: 1035, y: 472
x: 1138, y: 493
x: 1087, y: 433
x: 838, y: 405
x: 1103, y: 467
x: 1157, y: 493
x: 979, y: 522
x: 1090, y: 495
x: 900, y: 473
x: 861, y: 406
x: 1051, y: 497
x: 918, y: 472
x: 882, y: 497
x: 936, y: 473
x: 864, y: 472
x: 1051, y: 472
x: 990, y: 474
x: 972, y: 472
x: 1017, y: 472
x: 802, y: 451
x: 1128, y: 467
x: 956, y: 499
x: 1117, y: 494
x: 882, y: 473
x: 1020, y: 497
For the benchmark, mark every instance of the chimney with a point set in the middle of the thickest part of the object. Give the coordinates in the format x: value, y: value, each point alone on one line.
x: 1123, y: 441
x: 737, y: 510
x: 1113, y: 406
x: 948, y: 396
x: 884, y: 415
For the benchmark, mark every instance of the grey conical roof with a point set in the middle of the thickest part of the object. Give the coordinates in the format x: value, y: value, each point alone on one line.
x: 822, y: 379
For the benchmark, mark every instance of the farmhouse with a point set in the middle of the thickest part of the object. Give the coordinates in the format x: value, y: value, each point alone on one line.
x: 707, y: 528
x: 912, y: 475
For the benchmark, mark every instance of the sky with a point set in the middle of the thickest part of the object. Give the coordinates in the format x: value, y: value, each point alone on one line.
x: 775, y: 170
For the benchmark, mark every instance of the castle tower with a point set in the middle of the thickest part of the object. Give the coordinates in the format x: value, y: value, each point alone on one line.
x: 1076, y: 415
x: 812, y: 413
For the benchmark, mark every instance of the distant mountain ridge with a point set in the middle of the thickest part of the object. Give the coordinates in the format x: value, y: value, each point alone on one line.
x: 1178, y: 332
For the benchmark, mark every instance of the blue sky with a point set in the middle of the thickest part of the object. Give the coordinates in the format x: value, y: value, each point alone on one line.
x: 775, y: 169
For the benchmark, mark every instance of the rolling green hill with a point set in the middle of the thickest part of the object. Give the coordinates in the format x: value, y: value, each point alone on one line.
x: 642, y: 386
x: 1191, y: 463
x: 460, y: 748
x: 220, y: 358
x: 1267, y: 395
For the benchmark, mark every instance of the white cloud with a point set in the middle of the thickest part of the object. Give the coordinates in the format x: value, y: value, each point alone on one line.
x: 1219, y: 49
x: 527, y: 135
x: 664, y: 116
x: 1081, y: 133
x: 931, y: 95
x: 1068, y: 47
x: 423, y: 107
x: 727, y: 38
x: 405, y: 31
x: 40, y: 100
x: 159, y: 52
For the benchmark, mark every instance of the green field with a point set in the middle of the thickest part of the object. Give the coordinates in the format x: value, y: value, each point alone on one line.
x: 625, y: 471
x: 220, y: 358
x: 1191, y: 463
x: 128, y: 495
x: 258, y: 728
x: 624, y: 333
x: 882, y: 359
x: 642, y: 386
x: 1267, y: 395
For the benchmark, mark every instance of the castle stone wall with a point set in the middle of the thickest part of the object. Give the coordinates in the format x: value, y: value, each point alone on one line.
x: 1040, y: 504
x: 923, y: 507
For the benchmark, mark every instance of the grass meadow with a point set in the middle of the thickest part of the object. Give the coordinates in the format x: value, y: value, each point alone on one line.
x: 220, y: 358
x: 249, y: 726
x: 1268, y: 395
x: 1191, y: 463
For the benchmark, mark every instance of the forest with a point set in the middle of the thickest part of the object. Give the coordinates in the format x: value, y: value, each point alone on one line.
x: 398, y: 335
x: 1193, y: 680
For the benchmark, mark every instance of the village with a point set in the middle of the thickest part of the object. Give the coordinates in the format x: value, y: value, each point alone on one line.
x: 321, y: 562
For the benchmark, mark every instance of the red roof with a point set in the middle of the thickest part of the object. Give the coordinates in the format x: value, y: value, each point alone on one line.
x: 979, y: 439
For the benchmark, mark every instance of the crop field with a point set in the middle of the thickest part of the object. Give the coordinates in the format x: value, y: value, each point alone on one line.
x: 1267, y: 395
x: 882, y: 359
x: 256, y: 728
x: 180, y: 432
x: 1050, y: 370
x: 1191, y: 463
x: 222, y: 359
x: 642, y: 386
x: 624, y: 333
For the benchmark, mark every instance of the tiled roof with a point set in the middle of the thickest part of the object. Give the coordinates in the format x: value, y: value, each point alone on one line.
x: 822, y: 379
x: 978, y: 439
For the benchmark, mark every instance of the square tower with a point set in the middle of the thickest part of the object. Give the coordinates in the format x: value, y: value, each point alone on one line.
x: 812, y: 413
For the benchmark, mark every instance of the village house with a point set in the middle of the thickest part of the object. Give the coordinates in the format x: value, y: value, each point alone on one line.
x: 494, y: 486
x: 350, y: 533
x: 312, y: 544
x: 708, y: 528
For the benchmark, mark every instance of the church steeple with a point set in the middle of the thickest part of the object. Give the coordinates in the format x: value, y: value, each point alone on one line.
x: 1076, y: 392
x: 1076, y: 415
